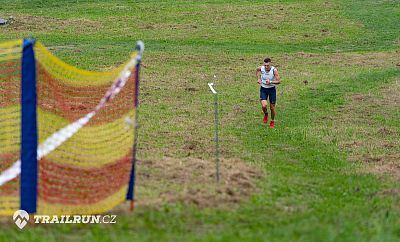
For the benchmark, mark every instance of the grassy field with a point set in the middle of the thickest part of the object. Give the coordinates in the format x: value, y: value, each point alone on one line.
x: 332, y: 165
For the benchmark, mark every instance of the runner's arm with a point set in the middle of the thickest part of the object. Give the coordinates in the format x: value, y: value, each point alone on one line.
x: 258, y: 71
x: 277, y: 78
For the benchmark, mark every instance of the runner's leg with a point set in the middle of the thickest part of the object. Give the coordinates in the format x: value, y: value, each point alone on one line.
x: 272, y: 102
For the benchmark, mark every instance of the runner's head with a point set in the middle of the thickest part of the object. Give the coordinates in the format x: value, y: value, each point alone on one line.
x: 267, y: 63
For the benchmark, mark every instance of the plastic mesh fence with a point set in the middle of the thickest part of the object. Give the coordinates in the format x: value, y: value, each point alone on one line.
x: 88, y: 172
x: 10, y: 113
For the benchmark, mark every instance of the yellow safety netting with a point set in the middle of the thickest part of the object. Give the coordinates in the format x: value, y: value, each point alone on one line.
x: 88, y: 172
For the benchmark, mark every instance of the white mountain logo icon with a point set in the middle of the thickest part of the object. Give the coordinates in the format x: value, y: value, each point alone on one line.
x: 21, y: 218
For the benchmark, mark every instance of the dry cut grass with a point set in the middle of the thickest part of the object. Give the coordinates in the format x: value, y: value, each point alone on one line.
x: 193, y: 181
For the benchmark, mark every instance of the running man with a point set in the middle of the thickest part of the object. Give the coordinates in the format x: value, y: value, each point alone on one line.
x: 268, y: 78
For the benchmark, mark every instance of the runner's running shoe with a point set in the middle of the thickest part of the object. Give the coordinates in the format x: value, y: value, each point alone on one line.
x: 266, y: 118
x: 272, y: 124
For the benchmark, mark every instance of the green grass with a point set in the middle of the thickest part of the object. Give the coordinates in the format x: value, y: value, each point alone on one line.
x: 312, y: 190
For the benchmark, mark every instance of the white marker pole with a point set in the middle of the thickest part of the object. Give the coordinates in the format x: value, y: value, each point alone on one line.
x: 216, y: 128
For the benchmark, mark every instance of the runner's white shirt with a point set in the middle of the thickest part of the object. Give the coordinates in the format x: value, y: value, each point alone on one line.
x: 267, y: 75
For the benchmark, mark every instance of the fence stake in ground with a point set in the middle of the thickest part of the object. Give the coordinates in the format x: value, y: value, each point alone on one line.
x: 216, y: 129
x: 131, y: 189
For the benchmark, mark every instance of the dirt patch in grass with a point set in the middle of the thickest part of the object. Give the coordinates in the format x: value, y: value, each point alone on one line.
x: 387, y: 165
x: 370, y: 59
x: 390, y: 192
x: 368, y: 132
x: 193, y: 181
x: 40, y: 23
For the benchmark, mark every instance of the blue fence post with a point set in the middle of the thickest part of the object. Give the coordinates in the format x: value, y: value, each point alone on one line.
x: 131, y: 189
x: 28, y: 156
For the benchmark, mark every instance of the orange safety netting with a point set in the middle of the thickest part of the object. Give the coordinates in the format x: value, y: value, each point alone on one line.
x: 88, y: 171
x: 10, y: 120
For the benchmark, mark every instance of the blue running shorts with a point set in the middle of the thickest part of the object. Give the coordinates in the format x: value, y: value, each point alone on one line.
x: 268, y: 92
